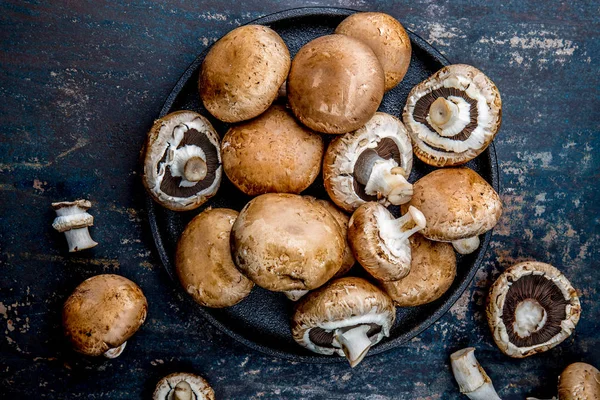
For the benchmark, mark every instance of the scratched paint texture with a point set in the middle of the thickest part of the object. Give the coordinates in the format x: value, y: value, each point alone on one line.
x: 81, y: 82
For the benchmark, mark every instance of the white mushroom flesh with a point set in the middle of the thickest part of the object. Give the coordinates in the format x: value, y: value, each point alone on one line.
x: 354, y: 343
x: 449, y: 116
x: 178, y: 158
x: 471, y: 377
x: 74, y: 222
x: 387, y: 181
x: 466, y: 246
x: 182, y: 391
x: 395, y: 233
x: 115, y: 352
x: 530, y: 317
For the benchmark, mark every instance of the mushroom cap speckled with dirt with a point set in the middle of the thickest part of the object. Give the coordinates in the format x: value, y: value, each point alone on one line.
x: 346, y: 317
x: 453, y: 115
x: 388, y: 39
x: 183, y: 386
x: 272, y: 153
x: 102, y: 313
x: 432, y: 271
x: 532, y: 307
x: 283, y: 242
x: 459, y: 205
x: 335, y: 85
x: 182, y: 161
x: 242, y: 73
x: 372, y: 163
x: 203, y: 260
x: 579, y: 381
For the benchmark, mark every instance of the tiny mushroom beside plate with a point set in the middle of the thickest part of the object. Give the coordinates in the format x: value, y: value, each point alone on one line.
x: 370, y: 164
x: 182, y: 161
x: 579, y: 381
x: 183, y: 386
x: 346, y: 317
x: 203, y: 260
x: 532, y: 307
x: 102, y: 313
x: 459, y: 205
x: 453, y: 115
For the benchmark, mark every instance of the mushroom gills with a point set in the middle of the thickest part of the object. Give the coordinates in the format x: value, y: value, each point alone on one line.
x: 115, y: 351
x: 533, y: 310
x: 466, y: 246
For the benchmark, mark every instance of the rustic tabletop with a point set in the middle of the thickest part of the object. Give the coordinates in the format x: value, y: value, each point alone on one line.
x: 82, y: 81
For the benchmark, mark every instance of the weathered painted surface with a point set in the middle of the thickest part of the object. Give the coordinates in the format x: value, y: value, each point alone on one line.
x: 80, y: 84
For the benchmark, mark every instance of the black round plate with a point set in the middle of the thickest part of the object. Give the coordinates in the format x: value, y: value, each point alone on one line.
x: 261, y: 321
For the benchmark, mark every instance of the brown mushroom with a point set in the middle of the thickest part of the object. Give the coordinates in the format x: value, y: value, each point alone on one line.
x: 183, y: 386
x: 182, y: 161
x: 453, y: 115
x: 272, y: 154
x: 432, y: 271
x: 203, y: 260
x: 579, y: 381
x: 346, y: 317
x: 458, y: 204
x: 386, y: 37
x: 532, y: 307
x: 242, y: 73
x: 335, y: 85
x: 283, y: 242
x: 102, y: 313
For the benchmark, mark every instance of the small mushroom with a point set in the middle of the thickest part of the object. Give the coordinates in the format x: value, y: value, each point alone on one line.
x: 183, y: 386
x: 346, y: 317
x: 335, y: 85
x: 242, y: 73
x: 386, y: 37
x: 459, y: 205
x: 432, y: 271
x: 370, y: 164
x: 283, y: 242
x: 380, y: 241
x: 471, y: 377
x: 579, y: 381
x: 102, y: 313
x: 182, y: 161
x: 203, y: 260
x: 532, y: 307
x: 272, y: 153
x: 453, y: 115
x: 72, y: 219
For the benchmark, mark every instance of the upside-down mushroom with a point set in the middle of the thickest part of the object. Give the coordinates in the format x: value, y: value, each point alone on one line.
x: 183, y: 386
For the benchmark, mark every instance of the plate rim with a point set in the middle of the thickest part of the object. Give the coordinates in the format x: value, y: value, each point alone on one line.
x: 316, y: 358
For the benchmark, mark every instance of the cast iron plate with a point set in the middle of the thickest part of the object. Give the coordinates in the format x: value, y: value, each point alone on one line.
x: 261, y: 321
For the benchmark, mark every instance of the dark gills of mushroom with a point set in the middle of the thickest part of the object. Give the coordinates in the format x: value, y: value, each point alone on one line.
x: 380, y: 242
x: 453, y: 115
x: 531, y: 308
x: 370, y: 164
x: 182, y: 161
x: 346, y: 317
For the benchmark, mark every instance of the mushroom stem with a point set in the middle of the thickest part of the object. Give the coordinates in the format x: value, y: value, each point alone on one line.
x: 441, y: 111
x: 115, y: 351
x: 471, y: 378
x: 447, y: 117
x: 383, y: 178
x: 295, y: 295
x: 195, y: 169
x: 405, y: 226
x: 79, y: 239
x: 182, y: 391
x: 355, y: 343
x: 466, y: 246
x: 73, y: 220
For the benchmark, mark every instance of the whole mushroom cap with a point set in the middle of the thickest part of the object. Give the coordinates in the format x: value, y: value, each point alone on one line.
x: 532, y: 307
x: 203, y: 260
x: 242, y: 73
x: 386, y: 37
x: 457, y: 203
x: 199, y: 387
x: 283, y: 242
x: 432, y: 271
x: 272, y: 153
x: 579, y: 381
x: 335, y: 85
x: 102, y: 313
x: 465, y: 102
x: 176, y: 142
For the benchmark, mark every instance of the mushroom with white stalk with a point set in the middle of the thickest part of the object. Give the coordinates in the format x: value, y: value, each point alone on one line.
x: 471, y: 377
x: 370, y: 164
x: 453, y: 115
x: 182, y: 161
x: 102, y: 313
x: 183, y: 386
x: 579, y: 381
x: 346, y: 317
x: 532, y: 307
x: 72, y: 219
x: 458, y: 204
x: 380, y: 241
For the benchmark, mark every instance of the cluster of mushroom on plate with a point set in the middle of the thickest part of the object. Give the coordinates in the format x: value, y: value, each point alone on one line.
x: 279, y: 110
